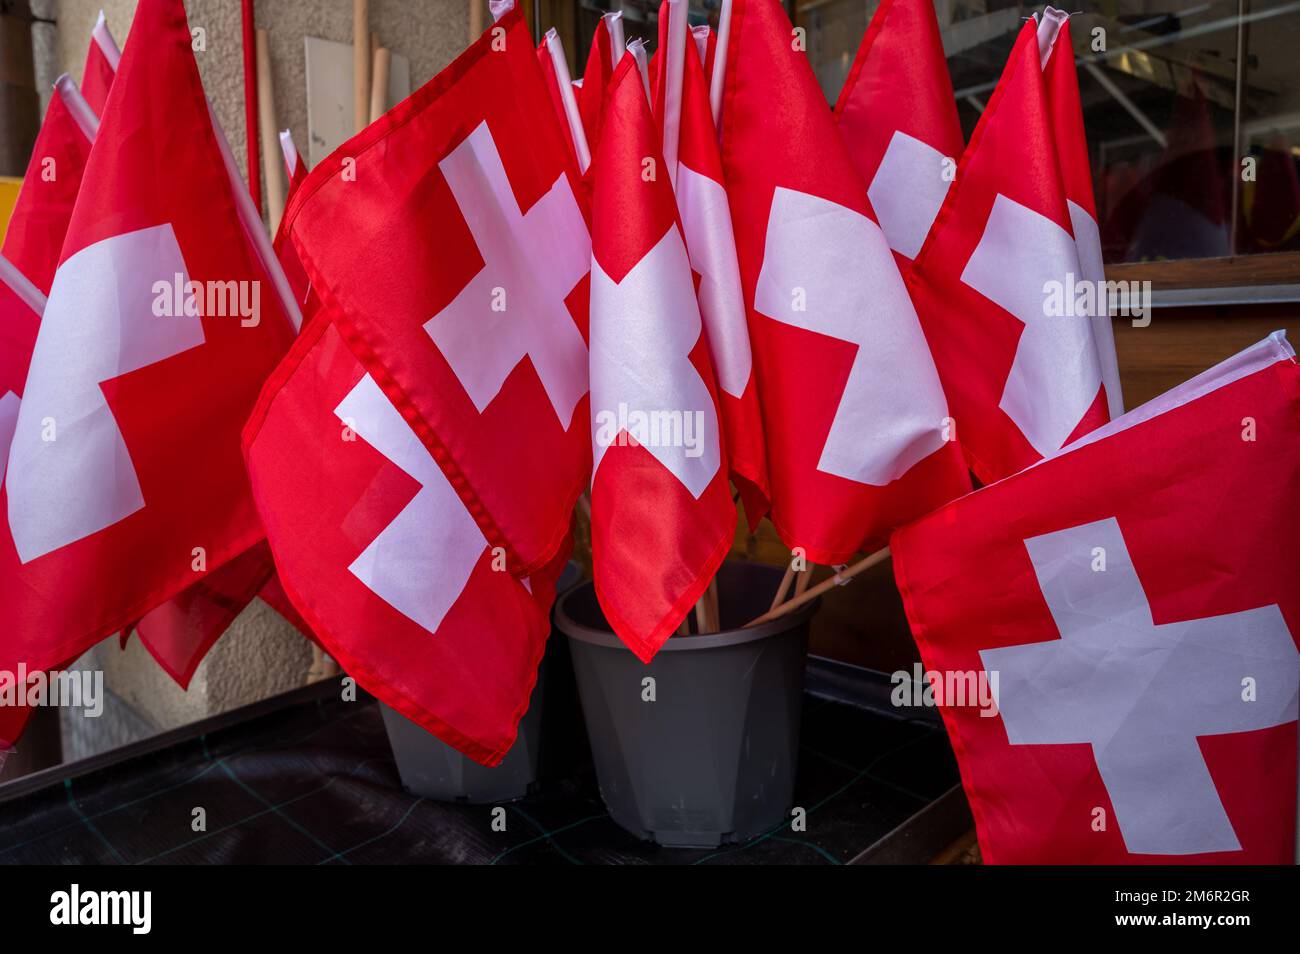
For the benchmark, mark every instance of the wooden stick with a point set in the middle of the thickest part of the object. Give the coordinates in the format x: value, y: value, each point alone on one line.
x: 271, y: 162
x: 715, y: 615
x: 825, y: 586
x: 475, y: 19
x: 801, y: 584
x: 360, y: 63
x: 379, y: 91
x: 784, y: 588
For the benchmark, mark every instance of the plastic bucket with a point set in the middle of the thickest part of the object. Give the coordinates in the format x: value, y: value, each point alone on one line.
x: 430, y: 767
x: 704, y: 753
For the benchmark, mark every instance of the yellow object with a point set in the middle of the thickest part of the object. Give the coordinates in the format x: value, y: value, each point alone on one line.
x: 8, y: 196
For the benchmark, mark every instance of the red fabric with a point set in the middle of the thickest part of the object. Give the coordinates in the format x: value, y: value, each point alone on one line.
x: 595, y: 79
x: 1209, y: 522
x: 553, y: 90
x: 898, y: 83
x: 156, y: 163
x: 974, y: 340
x: 49, y: 190
x: 655, y: 544
x: 324, y: 501
x: 697, y: 149
x: 1061, y: 81
x: 179, y: 633
x: 97, y: 77
x: 18, y: 329
x: 778, y: 133
x: 391, y: 250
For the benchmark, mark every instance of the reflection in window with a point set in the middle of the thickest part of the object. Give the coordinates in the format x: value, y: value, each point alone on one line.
x: 1171, y: 108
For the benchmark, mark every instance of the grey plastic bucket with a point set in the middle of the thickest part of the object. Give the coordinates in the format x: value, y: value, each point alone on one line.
x: 711, y: 760
x: 430, y: 767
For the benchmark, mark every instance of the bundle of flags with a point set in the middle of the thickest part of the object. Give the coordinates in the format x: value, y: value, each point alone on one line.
x: 680, y: 274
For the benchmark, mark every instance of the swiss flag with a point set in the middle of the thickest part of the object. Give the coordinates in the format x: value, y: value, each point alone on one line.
x: 691, y: 150
x: 1022, y: 379
x: 377, y: 552
x: 559, y: 86
x: 21, y: 304
x: 43, y: 210
x: 857, y: 425
x: 1062, y: 87
x: 606, y: 51
x: 125, y: 483
x: 1136, y: 637
x: 101, y: 66
x: 449, y: 241
x: 662, y: 518
x: 898, y: 118
x: 179, y: 633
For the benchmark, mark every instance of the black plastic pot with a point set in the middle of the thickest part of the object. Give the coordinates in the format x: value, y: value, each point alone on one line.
x: 711, y: 760
x: 429, y: 767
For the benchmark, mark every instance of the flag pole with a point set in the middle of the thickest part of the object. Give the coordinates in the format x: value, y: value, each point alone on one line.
x: 360, y: 63
x: 720, y: 64
x: 555, y: 47
x: 674, y: 63
x: 266, y: 121
x: 839, y: 579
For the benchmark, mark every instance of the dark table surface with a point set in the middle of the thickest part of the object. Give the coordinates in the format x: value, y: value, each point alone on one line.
x: 312, y: 781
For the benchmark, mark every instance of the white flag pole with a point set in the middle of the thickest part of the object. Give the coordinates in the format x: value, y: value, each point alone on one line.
x: 21, y: 286
x: 720, y: 64
x: 254, y: 228
x: 674, y: 63
x: 555, y: 47
x: 637, y: 49
x: 78, y: 108
x: 617, y: 45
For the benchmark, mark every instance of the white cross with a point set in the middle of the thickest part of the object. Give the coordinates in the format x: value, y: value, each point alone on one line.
x: 827, y: 269
x: 706, y: 220
x: 1055, y: 375
x: 418, y: 564
x: 907, y: 191
x: 1141, y: 693
x: 534, y: 260
x: 99, y: 324
x: 643, y: 330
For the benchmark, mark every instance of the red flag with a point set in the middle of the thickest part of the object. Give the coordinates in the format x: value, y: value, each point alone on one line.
x: 856, y: 419
x: 1019, y: 364
x: 101, y: 66
x: 380, y: 556
x: 559, y: 85
x: 691, y: 151
x: 474, y: 329
x: 142, y: 379
x: 297, y: 169
x: 898, y: 118
x: 1062, y: 86
x: 21, y: 304
x: 1134, y: 640
x: 606, y: 51
x: 179, y: 633
x: 662, y: 518
x: 49, y: 190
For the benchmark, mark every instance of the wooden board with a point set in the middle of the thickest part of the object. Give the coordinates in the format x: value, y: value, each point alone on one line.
x: 329, y: 94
